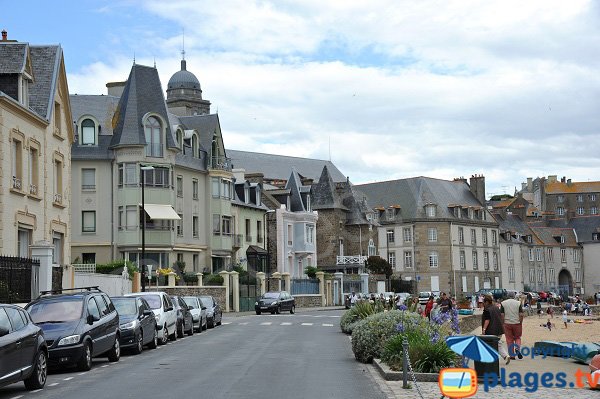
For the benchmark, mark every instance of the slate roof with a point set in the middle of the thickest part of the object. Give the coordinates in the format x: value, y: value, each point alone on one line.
x: 414, y: 193
x: 547, y: 235
x: 294, y: 184
x: 13, y: 56
x: 280, y: 166
x: 206, y: 125
x: 101, y: 107
x: 101, y: 151
x: 45, y: 61
x: 514, y: 224
x: 142, y: 93
x: 584, y: 226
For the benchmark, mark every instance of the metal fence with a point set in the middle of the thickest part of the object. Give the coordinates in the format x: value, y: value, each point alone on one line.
x: 304, y: 286
x: 352, y: 286
x: 19, y: 279
x: 84, y: 267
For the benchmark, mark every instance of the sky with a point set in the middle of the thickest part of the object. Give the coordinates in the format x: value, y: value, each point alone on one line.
x: 385, y: 89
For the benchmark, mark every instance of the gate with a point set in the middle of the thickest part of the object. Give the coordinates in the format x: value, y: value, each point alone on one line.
x: 19, y: 279
x: 249, y: 291
x: 352, y: 286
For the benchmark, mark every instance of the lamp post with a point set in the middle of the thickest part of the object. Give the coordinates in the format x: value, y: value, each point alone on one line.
x: 143, y: 260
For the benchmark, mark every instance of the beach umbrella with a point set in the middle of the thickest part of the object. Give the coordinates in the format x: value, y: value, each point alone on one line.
x: 472, y: 347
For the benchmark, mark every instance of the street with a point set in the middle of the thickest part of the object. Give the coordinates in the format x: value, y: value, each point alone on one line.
x: 269, y: 356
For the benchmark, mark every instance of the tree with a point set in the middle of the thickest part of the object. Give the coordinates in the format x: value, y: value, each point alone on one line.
x: 378, y: 265
x: 311, y: 271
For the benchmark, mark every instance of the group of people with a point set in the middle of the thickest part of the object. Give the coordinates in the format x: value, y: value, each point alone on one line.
x: 505, y: 320
x: 443, y: 304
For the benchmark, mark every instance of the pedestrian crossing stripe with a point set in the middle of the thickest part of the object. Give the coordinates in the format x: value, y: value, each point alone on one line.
x: 307, y: 324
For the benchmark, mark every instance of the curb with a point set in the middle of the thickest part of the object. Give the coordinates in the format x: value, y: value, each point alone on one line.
x: 391, y: 375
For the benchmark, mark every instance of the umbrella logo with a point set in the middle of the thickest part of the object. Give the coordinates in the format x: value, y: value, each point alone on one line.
x: 458, y: 383
x: 472, y: 347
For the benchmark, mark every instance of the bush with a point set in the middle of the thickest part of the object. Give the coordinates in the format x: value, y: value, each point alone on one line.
x: 190, y: 278
x: 114, y: 266
x: 426, y: 355
x: 360, y: 311
x: 213, y: 279
x: 370, y: 335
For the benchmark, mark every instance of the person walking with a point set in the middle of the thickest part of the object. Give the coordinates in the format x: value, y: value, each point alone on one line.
x: 539, y: 308
x: 512, y: 319
x: 445, y: 303
x: 353, y: 299
x: 428, y: 307
x: 564, y: 316
x: 491, y: 324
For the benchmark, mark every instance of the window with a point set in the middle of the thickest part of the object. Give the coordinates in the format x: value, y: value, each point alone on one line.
x: 216, y: 224
x: 88, y: 132
x: 226, y: 228
x: 579, y: 198
x: 215, y: 187
x: 33, y: 170
x: 511, y: 274
x: 563, y: 255
x: 180, y: 186
x: 179, y: 136
x: 390, y: 235
x: 58, y: 181
x: 562, y: 239
x: 127, y: 174
x: 430, y: 210
x: 93, y: 309
x: 486, y: 261
x: 580, y: 210
x: 195, y: 259
x: 407, y: 231
x: 310, y: 232
x: 157, y: 177
x: 88, y: 221
x: 408, y: 259
x: 593, y: 197
x: 509, y: 252
x: 88, y: 257
x: 23, y: 242
x: 532, y: 275
x: 578, y: 275
x: 259, y: 232
x: 576, y: 255
x: 154, y: 145
x: 560, y: 198
x: 432, y: 234
x: 461, y: 235
x: 195, y: 188
x: 596, y: 236
x: 473, y: 237
x: 195, y: 227
x: 538, y: 254
x: 433, y: 259
x: 226, y: 189
x: 180, y: 225
x: 540, y: 274
x: 560, y: 211
x: 57, y: 241
x: 551, y: 278
x: 248, y: 231
x: 594, y: 210
x: 484, y: 237
x: 392, y: 258
x: 372, y: 251
x: 88, y: 179
x: 195, y: 147
x: 290, y: 235
x: 390, y: 213
x: 494, y: 237
x: 462, y: 260
x: 550, y: 254
x: 131, y: 217
x: 475, y: 263
x: 529, y: 239
x: 57, y: 119
x: 530, y: 252
x: 495, y: 260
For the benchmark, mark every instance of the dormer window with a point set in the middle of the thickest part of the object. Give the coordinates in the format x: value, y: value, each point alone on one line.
x: 390, y: 213
x: 430, y: 211
x: 258, y: 196
x: 179, y: 135
x: 154, y: 143
x: 246, y: 194
x: 529, y: 239
x: 195, y: 148
x: 24, y: 97
x: 88, y: 132
x: 562, y: 239
x: 470, y: 213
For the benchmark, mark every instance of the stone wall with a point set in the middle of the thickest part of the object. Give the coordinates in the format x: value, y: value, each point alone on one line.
x: 308, y: 301
x: 217, y: 292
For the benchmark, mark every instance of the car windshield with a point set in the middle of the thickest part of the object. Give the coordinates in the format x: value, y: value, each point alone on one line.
x: 56, y: 311
x: 153, y: 300
x: 271, y: 295
x: 206, y: 300
x: 190, y: 301
x: 125, y: 306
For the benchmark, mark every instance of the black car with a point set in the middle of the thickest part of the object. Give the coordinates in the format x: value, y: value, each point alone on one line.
x: 214, y: 314
x: 275, y: 302
x: 77, y: 326
x: 137, y: 323
x: 23, y: 351
x: 185, y: 321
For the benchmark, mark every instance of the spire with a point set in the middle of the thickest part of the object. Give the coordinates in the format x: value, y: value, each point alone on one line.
x: 183, y: 66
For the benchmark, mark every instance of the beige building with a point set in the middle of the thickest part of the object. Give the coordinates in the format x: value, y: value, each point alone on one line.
x: 36, y: 134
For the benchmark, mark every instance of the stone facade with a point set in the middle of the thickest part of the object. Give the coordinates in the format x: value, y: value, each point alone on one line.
x: 308, y: 301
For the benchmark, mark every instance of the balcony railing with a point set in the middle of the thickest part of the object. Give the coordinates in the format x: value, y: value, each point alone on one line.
x: 351, y: 260
x: 17, y: 184
x: 33, y: 189
x: 220, y: 163
x: 84, y: 267
x: 237, y: 240
x: 58, y: 198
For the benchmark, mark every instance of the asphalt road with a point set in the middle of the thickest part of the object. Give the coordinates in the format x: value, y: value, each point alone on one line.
x: 269, y: 356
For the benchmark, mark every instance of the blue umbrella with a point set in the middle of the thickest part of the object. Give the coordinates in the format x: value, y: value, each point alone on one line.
x: 472, y: 347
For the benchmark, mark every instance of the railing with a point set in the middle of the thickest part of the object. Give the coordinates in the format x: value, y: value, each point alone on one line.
x: 33, y: 189
x: 84, y: 267
x: 221, y: 163
x: 351, y: 260
x: 19, y: 279
x: 88, y: 186
x: 304, y: 286
x: 16, y: 183
x: 154, y: 150
x: 58, y: 198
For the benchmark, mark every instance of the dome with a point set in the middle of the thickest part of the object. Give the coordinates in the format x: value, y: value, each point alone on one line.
x: 183, y: 79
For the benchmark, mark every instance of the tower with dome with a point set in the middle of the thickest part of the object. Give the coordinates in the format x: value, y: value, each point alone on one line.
x: 184, y: 95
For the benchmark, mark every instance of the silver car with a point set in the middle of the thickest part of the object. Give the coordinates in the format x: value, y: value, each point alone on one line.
x: 198, y: 311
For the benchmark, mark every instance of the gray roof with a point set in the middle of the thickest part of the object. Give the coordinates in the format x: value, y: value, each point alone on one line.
x: 280, y: 166
x: 414, y: 193
x: 294, y: 184
x: 206, y: 125
x: 13, y: 56
x: 93, y: 152
x: 142, y: 94
x: 324, y: 196
x: 183, y: 79
x: 584, y: 226
x: 45, y: 62
x: 513, y: 224
x: 101, y: 107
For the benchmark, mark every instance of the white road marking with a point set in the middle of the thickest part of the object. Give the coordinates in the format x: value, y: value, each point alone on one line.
x: 17, y: 397
x: 81, y: 373
x: 266, y: 323
x: 68, y: 378
x: 226, y: 322
x: 327, y: 325
x: 319, y: 316
x: 335, y: 316
x: 286, y: 324
x: 243, y: 324
x: 37, y: 390
x: 307, y: 324
x: 53, y: 384
x: 105, y: 365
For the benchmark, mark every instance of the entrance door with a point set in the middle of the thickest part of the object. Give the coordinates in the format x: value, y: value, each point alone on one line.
x: 435, y: 283
x: 476, y: 283
x: 487, y: 283
x: 497, y: 282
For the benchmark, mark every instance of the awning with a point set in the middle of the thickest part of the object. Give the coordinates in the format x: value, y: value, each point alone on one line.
x: 254, y: 250
x: 161, y: 212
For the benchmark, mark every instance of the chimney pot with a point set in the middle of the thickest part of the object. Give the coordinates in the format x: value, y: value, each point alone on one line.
x: 4, y: 35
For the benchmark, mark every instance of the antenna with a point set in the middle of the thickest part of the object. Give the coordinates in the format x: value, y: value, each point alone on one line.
x: 154, y: 62
x: 183, y: 43
x: 134, y: 58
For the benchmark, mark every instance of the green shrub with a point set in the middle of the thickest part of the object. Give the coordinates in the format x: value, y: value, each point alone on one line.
x: 190, y: 278
x: 114, y: 266
x: 361, y: 310
x: 370, y: 335
x: 426, y: 355
x: 213, y: 279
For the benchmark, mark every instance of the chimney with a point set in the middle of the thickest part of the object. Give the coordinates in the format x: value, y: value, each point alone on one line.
x: 569, y: 182
x: 4, y: 35
x: 255, y: 177
x: 462, y: 179
x: 562, y: 180
x: 552, y: 179
x: 477, y: 186
x: 115, y: 88
x: 523, y: 186
x: 529, y: 183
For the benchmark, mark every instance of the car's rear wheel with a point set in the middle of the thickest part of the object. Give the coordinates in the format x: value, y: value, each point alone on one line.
x: 258, y: 312
x: 293, y: 309
x: 173, y: 337
x: 37, y: 379
x: 114, y: 354
x: 85, y: 363
x: 139, y: 347
x: 210, y: 323
x: 154, y: 343
x: 220, y: 319
x: 180, y: 330
x: 165, y: 335
x: 278, y: 310
x: 190, y: 332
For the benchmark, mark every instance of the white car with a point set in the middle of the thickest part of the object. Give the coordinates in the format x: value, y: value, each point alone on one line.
x: 198, y: 311
x: 165, y: 314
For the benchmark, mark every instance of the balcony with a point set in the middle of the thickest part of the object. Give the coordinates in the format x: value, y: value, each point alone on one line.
x: 237, y: 240
x: 351, y: 260
x: 33, y: 190
x: 16, y: 183
x: 220, y: 163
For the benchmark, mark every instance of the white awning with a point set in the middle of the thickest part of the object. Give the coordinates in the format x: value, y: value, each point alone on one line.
x: 161, y: 212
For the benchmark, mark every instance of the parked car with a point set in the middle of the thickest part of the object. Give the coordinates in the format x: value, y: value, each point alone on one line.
x: 424, y: 296
x: 137, y: 323
x: 165, y: 314
x: 77, y: 326
x: 22, y: 349
x: 214, y: 314
x: 275, y: 302
x: 185, y: 322
x: 198, y: 311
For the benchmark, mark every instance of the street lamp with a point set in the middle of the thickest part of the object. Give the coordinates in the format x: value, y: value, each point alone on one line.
x: 143, y: 260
